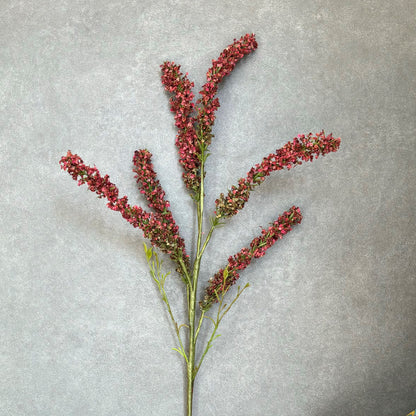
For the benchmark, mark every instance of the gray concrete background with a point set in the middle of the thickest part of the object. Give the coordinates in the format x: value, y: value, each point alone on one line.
x: 328, y: 326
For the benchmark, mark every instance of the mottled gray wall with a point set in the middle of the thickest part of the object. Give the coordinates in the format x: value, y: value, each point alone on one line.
x: 328, y: 326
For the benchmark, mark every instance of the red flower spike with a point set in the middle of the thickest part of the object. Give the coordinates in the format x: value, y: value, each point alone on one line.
x: 243, y: 258
x: 302, y: 148
x: 149, y: 186
x: 148, y: 183
x: 162, y: 232
x: 207, y: 104
x: 195, y: 132
x: 183, y: 106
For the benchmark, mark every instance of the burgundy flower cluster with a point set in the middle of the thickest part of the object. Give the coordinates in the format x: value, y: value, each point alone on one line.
x: 158, y: 227
x: 302, y: 148
x: 148, y: 183
x: 208, y: 104
x: 183, y: 106
x: 258, y: 247
x: 149, y: 186
x: 195, y: 132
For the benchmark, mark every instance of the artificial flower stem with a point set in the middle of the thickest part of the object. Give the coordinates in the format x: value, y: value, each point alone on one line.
x: 192, y: 295
x: 185, y: 271
x: 201, y: 318
x: 191, y: 353
x: 206, y: 240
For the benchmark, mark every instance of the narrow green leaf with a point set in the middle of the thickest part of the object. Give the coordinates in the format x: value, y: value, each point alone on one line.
x: 148, y: 251
x: 181, y: 353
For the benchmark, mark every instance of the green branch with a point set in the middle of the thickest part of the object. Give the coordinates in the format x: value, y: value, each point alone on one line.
x: 155, y: 267
x: 221, y: 312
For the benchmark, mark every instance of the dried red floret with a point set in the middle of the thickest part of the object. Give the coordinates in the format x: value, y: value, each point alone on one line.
x: 150, y: 186
x: 301, y: 148
x: 221, y: 67
x: 258, y: 247
x: 183, y: 106
x: 159, y: 229
x: 195, y: 130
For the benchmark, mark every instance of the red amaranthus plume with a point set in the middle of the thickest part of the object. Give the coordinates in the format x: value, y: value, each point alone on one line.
x: 208, y: 104
x: 162, y: 232
x: 194, y: 132
x: 258, y: 247
x: 150, y: 186
x: 148, y: 183
x: 183, y: 106
x: 302, y: 148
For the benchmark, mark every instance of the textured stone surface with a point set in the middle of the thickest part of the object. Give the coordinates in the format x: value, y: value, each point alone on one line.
x: 328, y: 324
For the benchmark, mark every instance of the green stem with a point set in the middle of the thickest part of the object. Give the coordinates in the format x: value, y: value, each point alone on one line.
x: 175, y: 324
x: 188, y: 280
x: 221, y: 312
x: 201, y: 318
x: 191, y: 353
x: 155, y: 267
x: 192, y: 294
x: 207, y: 240
x: 185, y: 271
